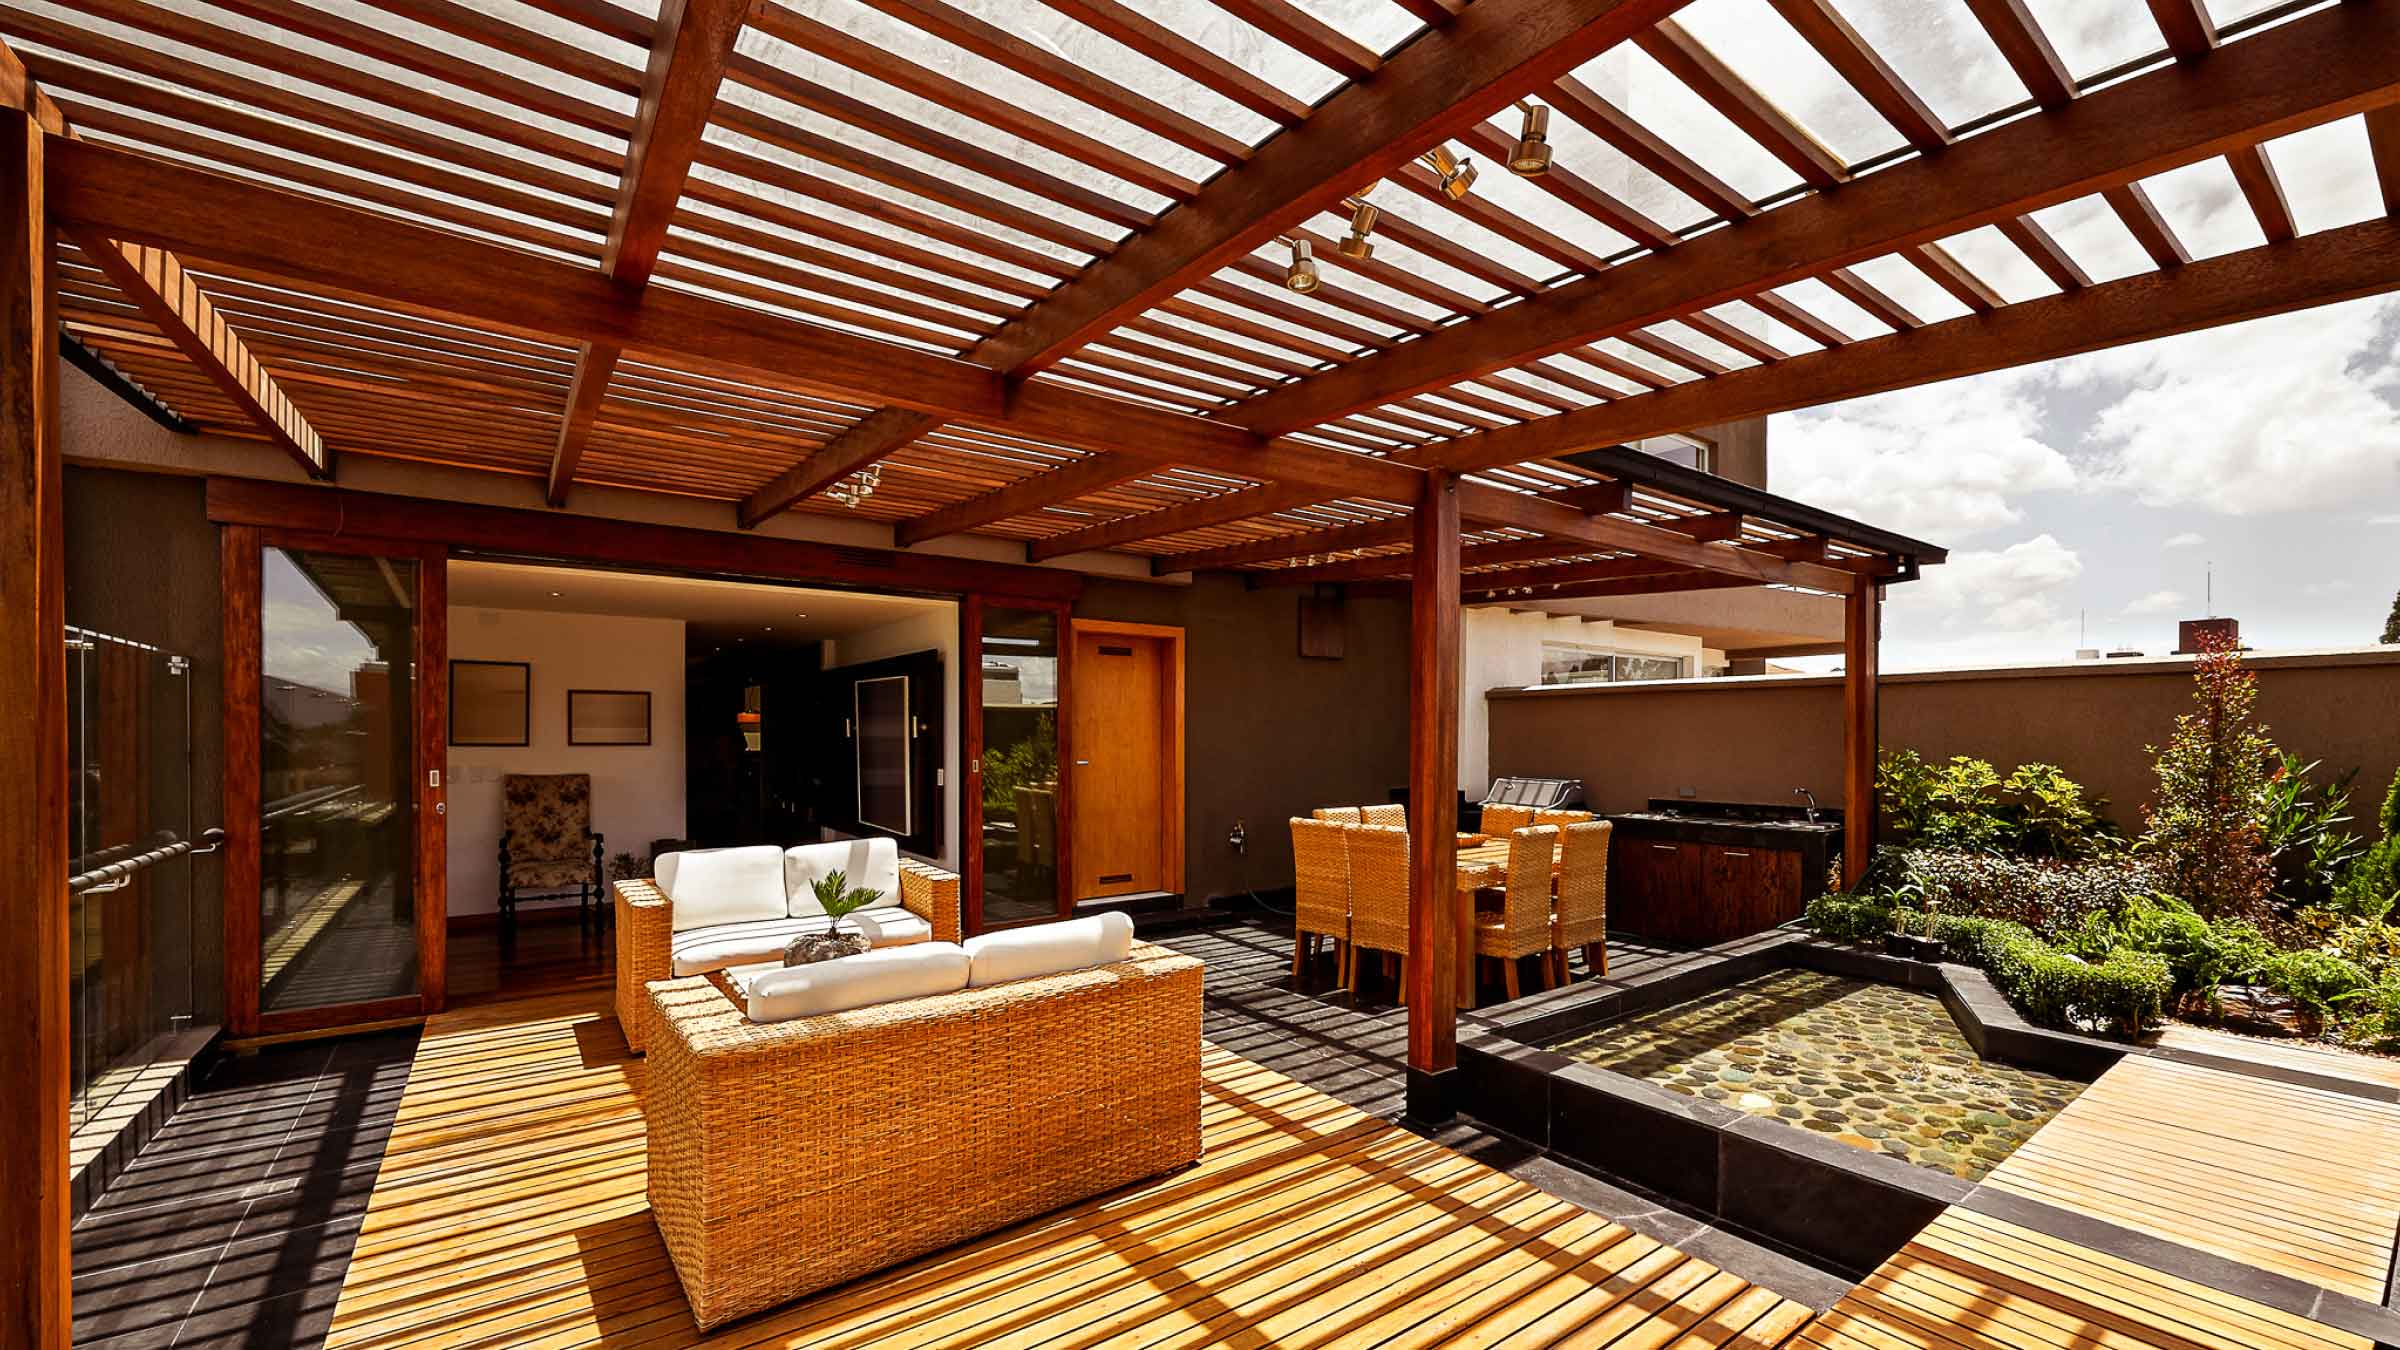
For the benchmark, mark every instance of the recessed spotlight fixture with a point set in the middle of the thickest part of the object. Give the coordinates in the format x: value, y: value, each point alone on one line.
x: 1302, y: 275
x: 1362, y: 223
x: 554, y: 595
x: 770, y: 628
x: 1531, y: 159
x: 1458, y: 175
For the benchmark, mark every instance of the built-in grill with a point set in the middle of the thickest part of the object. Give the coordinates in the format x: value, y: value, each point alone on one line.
x: 1542, y: 794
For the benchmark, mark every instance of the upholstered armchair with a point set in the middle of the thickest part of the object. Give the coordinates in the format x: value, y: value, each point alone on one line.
x: 548, y: 848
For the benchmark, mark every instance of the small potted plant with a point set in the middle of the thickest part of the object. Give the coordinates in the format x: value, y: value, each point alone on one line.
x: 839, y: 899
x: 1913, y: 897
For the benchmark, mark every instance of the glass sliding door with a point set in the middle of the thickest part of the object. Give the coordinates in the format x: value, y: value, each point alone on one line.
x: 344, y: 810
x: 1013, y: 704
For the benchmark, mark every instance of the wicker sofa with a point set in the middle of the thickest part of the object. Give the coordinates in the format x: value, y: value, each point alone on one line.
x: 655, y: 942
x: 787, y: 1157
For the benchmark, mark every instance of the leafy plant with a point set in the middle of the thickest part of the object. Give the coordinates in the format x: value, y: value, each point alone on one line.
x: 839, y: 898
x: 2317, y: 980
x: 1028, y: 762
x: 2051, y: 817
x: 2046, y: 896
x: 1965, y: 803
x: 2301, y: 825
x: 627, y: 867
x: 2200, y: 955
x: 2124, y: 991
x: 1838, y: 917
x: 2212, y: 777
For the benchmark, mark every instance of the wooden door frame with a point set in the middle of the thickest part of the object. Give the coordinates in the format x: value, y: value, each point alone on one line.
x: 242, y: 552
x: 970, y: 730
x: 1171, y: 801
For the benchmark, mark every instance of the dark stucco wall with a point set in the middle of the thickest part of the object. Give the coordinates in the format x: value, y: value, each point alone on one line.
x: 1268, y: 734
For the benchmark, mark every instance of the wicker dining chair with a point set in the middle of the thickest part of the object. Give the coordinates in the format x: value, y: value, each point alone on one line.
x: 1384, y: 813
x: 1320, y: 893
x: 1379, y: 896
x: 1521, y: 926
x: 1339, y: 815
x: 1562, y: 818
x: 1582, y: 897
x: 1502, y: 821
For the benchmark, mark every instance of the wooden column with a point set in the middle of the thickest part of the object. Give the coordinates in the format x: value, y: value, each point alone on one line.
x: 1862, y: 641
x: 1433, y: 803
x: 33, y: 746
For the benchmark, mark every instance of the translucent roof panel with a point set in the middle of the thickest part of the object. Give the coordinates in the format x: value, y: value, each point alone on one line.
x: 1224, y: 36
x: 2001, y: 265
x: 1940, y: 52
x: 2089, y: 230
x: 1766, y: 52
x: 1627, y: 77
x: 1377, y: 25
x: 2328, y: 175
x: 2094, y: 35
x: 2205, y: 207
x: 1830, y: 306
x: 1903, y: 281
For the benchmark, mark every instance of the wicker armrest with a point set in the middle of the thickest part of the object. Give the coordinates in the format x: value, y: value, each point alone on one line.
x: 645, y: 937
x: 932, y: 895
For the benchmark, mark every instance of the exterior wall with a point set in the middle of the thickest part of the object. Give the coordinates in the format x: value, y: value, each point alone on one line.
x: 1269, y: 735
x: 1756, y: 739
x: 1741, y: 450
x: 637, y: 790
x: 930, y: 631
x: 1502, y: 648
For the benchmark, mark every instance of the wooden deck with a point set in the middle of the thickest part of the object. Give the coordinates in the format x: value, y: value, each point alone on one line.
x: 509, y: 1211
x: 1969, y: 1282
x: 2290, y: 1179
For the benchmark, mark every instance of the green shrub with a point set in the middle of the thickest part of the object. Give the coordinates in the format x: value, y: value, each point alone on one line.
x: 2371, y: 886
x: 2200, y: 955
x: 2302, y: 827
x: 2049, y: 897
x: 1848, y: 918
x: 2125, y: 991
x: 2319, y: 981
x: 2212, y: 783
x: 2375, y: 1015
x: 1965, y: 803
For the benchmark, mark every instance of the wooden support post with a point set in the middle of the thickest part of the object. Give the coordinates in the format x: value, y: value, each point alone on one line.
x: 34, y: 1294
x: 1862, y: 642
x: 1433, y: 805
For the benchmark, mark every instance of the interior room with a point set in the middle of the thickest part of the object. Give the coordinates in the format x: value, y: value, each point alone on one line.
x: 704, y: 712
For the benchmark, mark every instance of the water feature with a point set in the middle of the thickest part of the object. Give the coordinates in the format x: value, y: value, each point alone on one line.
x: 1876, y: 1067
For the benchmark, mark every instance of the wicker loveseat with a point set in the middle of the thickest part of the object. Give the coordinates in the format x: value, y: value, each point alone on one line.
x: 790, y: 1156
x: 656, y: 941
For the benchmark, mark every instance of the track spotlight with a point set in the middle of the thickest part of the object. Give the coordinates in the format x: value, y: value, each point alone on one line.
x: 1362, y: 224
x: 1302, y: 276
x: 1457, y: 175
x: 1532, y: 156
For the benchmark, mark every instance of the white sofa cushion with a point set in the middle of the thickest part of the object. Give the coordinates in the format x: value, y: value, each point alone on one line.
x: 862, y: 862
x: 723, y: 885
x: 885, y: 976
x: 701, y: 950
x: 1048, y: 949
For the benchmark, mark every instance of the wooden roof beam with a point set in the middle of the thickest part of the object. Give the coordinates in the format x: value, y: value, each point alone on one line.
x: 366, y: 254
x: 689, y: 48
x: 1654, y: 583
x: 2027, y: 50
x: 1503, y: 552
x: 2328, y: 64
x: 1298, y: 544
x: 2383, y: 145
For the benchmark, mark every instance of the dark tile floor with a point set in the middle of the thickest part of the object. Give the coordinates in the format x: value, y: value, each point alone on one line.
x: 234, y: 1225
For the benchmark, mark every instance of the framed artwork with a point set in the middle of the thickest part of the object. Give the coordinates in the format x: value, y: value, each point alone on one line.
x: 491, y: 703
x: 608, y: 717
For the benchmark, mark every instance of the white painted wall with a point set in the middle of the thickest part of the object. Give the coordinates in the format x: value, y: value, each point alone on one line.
x: 637, y: 790
x: 932, y: 630
x: 1502, y: 649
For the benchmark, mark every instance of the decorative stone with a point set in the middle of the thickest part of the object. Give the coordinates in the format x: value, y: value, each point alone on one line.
x: 810, y: 948
x: 2256, y: 1011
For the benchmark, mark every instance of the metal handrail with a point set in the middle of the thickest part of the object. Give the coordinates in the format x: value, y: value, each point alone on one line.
x: 116, y: 876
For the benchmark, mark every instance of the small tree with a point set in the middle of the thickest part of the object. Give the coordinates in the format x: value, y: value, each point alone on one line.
x: 2212, y: 782
x: 2391, y: 626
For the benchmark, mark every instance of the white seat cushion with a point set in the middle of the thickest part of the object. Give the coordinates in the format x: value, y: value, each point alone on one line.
x: 723, y: 885
x: 862, y: 862
x: 1048, y: 949
x: 702, y: 950
x: 886, y: 976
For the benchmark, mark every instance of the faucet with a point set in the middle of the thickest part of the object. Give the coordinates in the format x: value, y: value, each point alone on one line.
x: 1812, y: 802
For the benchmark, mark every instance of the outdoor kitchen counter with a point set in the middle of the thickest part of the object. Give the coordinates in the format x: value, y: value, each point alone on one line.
x: 1708, y: 878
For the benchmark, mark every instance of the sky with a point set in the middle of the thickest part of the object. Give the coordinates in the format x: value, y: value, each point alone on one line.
x: 2095, y: 495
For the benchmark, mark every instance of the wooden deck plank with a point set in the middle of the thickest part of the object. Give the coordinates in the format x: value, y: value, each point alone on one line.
x: 509, y: 1211
x: 2297, y: 1180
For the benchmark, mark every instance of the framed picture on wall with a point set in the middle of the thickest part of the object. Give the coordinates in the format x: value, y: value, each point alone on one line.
x: 608, y: 717
x: 491, y: 703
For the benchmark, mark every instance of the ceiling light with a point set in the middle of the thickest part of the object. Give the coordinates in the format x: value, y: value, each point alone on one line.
x: 1362, y: 224
x: 1531, y: 158
x: 1457, y: 175
x: 554, y: 595
x: 1302, y: 275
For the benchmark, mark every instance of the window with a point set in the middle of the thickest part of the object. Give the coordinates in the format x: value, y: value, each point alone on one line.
x: 1689, y: 451
x: 1570, y: 663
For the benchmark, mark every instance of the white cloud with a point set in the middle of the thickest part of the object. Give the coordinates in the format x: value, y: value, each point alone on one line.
x: 1987, y: 605
x: 1944, y: 462
x: 2158, y: 602
x: 2291, y: 413
x: 2187, y: 539
x: 2393, y: 519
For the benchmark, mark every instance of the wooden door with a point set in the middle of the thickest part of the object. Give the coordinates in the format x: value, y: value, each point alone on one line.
x: 1125, y: 736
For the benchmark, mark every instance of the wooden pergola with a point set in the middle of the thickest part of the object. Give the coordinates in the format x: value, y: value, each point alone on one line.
x: 1036, y: 275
